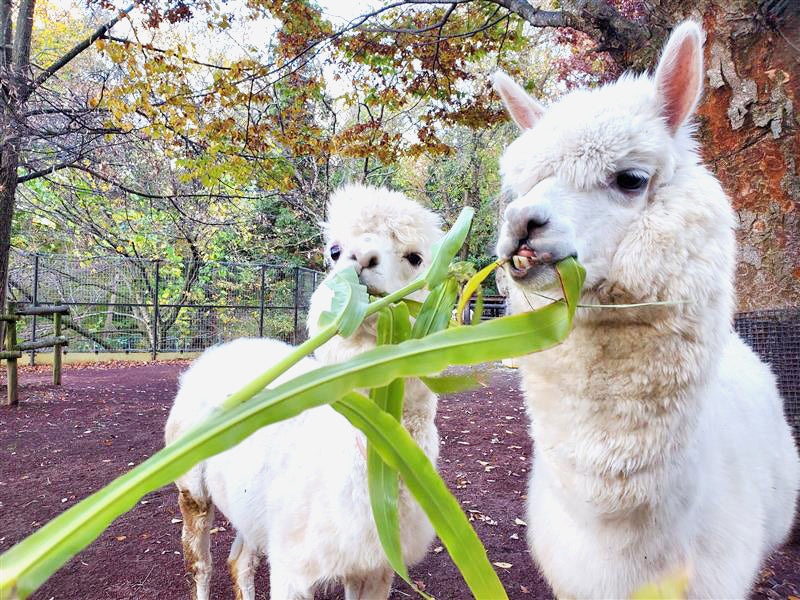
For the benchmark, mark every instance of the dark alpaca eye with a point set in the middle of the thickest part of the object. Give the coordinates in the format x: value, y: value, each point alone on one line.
x: 414, y: 258
x: 631, y: 181
x: 335, y: 252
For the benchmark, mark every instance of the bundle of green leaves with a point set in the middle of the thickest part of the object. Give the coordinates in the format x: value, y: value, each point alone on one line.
x: 422, y: 349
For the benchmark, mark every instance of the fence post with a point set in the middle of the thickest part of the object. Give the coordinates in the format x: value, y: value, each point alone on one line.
x: 156, y: 312
x: 35, y: 302
x: 57, y: 350
x: 11, y: 361
x: 296, y: 301
x: 261, y: 302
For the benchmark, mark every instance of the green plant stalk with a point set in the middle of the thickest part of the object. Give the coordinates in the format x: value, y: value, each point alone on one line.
x: 283, y: 365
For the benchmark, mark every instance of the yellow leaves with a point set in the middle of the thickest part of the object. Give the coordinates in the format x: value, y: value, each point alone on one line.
x: 671, y: 587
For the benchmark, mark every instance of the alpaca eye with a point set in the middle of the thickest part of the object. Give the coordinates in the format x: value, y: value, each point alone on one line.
x: 631, y: 181
x: 414, y: 258
x: 335, y: 252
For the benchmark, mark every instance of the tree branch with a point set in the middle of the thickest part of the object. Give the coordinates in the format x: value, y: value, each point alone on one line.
x: 78, y: 48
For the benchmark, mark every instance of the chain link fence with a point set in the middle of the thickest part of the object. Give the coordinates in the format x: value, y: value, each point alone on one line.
x: 119, y: 304
x: 775, y: 337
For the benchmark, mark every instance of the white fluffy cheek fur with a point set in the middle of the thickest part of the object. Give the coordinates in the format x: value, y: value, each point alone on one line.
x: 600, y: 223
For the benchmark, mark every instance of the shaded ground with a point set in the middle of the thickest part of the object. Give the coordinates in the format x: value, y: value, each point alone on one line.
x: 62, y: 443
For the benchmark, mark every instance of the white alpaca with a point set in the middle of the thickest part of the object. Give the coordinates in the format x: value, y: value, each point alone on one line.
x: 296, y: 490
x: 660, y: 439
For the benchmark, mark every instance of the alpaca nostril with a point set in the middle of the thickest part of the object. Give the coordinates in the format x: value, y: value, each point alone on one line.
x: 367, y: 260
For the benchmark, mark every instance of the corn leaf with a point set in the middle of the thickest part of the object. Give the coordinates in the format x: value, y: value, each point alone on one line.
x: 451, y: 384
x: 349, y: 304
x: 382, y: 479
x: 436, y: 310
x: 398, y: 449
x: 445, y: 249
x: 30, y: 562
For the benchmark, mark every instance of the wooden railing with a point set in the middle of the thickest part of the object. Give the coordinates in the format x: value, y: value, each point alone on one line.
x: 13, y: 349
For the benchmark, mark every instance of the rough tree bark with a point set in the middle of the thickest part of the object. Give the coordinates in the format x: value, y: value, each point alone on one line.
x: 749, y: 129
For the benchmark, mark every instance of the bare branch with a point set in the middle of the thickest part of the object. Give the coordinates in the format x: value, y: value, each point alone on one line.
x: 78, y: 48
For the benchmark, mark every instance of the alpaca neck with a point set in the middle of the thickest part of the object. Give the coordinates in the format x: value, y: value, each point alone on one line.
x: 613, y: 407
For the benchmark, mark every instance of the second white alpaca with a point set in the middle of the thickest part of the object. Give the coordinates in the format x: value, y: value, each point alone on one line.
x: 660, y: 443
x: 296, y: 490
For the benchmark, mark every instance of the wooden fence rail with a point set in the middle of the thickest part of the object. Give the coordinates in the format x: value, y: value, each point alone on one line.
x: 13, y: 350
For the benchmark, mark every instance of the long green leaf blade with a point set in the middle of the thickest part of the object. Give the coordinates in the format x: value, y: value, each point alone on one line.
x: 445, y: 249
x: 398, y: 449
x: 436, y: 310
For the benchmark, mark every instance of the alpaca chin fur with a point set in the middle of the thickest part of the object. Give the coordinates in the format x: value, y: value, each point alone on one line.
x: 660, y: 439
x: 296, y: 490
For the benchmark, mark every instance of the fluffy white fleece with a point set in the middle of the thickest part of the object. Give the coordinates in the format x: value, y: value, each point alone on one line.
x: 660, y: 438
x: 296, y: 491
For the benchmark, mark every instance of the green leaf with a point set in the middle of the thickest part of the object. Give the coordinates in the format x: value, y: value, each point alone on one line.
x: 436, y: 310
x: 451, y: 384
x: 349, y: 304
x: 445, y: 249
x: 393, y: 327
x: 30, y: 562
x: 472, y: 285
x: 398, y: 449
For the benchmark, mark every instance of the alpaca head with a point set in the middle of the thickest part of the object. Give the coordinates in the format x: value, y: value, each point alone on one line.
x: 604, y: 175
x: 383, y: 234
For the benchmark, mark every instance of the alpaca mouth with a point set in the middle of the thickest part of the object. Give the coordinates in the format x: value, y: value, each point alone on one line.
x: 525, y: 260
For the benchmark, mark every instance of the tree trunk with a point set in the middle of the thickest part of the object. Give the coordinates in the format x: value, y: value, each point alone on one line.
x: 750, y: 139
x: 748, y: 132
x: 9, y: 155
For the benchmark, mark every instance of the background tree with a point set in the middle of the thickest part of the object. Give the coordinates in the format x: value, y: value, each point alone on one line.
x: 260, y: 109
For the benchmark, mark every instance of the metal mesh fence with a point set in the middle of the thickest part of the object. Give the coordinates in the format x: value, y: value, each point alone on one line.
x: 775, y: 336
x: 118, y: 304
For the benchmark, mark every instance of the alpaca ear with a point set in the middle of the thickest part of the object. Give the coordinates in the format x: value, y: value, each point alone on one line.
x: 523, y: 109
x: 679, y: 75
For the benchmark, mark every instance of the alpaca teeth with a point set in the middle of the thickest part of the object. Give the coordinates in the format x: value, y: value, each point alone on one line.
x: 521, y: 262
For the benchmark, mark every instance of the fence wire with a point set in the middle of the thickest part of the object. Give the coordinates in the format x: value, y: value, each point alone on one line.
x: 775, y: 337
x: 120, y: 304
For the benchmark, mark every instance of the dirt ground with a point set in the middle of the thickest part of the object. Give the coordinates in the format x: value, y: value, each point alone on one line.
x: 62, y: 443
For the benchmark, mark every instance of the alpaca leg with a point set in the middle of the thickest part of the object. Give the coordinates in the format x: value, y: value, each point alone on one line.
x: 373, y: 586
x: 282, y: 585
x: 243, y: 562
x: 198, y: 514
